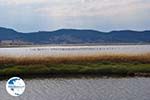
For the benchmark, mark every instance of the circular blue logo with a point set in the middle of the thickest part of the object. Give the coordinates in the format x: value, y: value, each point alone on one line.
x: 15, y: 86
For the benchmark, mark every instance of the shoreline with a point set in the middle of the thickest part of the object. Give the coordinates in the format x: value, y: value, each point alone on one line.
x: 79, y: 76
x: 86, y: 44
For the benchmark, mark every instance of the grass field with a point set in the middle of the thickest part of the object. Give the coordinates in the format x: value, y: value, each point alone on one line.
x: 109, y: 65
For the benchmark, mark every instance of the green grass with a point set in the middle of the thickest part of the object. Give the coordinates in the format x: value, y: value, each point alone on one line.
x: 73, y: 69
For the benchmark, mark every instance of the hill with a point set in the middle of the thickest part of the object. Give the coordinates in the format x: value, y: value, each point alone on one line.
x: 74, y: 36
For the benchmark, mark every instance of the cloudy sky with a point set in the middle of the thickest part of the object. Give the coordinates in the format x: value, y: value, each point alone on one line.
x: 103, y: 15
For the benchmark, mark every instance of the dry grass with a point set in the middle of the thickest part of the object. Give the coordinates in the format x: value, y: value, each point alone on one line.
x: 142, y: 58
x: 110, y: 64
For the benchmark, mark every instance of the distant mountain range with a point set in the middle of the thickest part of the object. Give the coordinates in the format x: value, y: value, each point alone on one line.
x: 74, y: 36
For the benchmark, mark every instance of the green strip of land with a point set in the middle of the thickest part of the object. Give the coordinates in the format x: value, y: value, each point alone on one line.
x: 73, y: 69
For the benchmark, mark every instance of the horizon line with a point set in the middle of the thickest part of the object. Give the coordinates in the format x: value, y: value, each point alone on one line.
x: 79, y: 29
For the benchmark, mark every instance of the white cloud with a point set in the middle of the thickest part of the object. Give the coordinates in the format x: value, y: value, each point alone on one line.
x: 59, y: 8
x: 19, y: 2
x: 64, y: 8
x: 75, y: 13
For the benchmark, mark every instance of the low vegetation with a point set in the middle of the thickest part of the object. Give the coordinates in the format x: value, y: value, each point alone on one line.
x: 117, y: 65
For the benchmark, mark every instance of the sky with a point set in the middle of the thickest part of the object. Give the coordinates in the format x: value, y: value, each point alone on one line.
x: 48, y: 15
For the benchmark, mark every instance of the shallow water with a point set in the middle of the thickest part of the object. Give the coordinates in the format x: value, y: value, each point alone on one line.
x: 83, y: 89
x: 74, y: 50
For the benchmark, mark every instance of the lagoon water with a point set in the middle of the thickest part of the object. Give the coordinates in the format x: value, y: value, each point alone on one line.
x: 79, y: 88
x: 73, y: 50
x: 82, y: 89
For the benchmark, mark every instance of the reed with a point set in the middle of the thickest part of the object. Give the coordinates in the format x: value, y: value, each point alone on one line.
x: 142, y: 58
